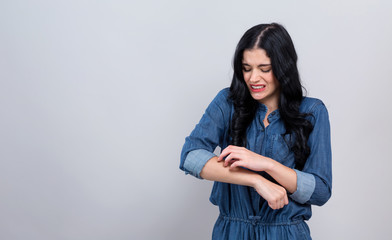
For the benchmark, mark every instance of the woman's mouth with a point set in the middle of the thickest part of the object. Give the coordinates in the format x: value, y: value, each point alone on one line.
x: 257, y: 88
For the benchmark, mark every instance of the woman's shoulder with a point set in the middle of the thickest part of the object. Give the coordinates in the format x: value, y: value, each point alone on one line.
x: 310, y: 105
x: 224, y: 93
x: 221, y: 105
x: 223, y: 98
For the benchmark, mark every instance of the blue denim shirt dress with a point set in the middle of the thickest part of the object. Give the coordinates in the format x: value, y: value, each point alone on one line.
x: 244, y: 214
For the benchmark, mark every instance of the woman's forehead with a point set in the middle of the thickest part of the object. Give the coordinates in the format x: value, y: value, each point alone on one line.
x: 255, y: 56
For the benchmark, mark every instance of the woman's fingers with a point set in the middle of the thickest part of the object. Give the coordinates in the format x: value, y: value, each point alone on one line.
x: 236, y: 164
x: 274, y: 194
x: 281, y: 203
x: 278, y: 204
x: 230, y: 149
x: 230, y: 159
x: 230, y: 153
x: 245, y: 157
x: 224, y: 153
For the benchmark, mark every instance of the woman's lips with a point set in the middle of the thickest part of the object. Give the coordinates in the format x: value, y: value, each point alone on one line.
x: 257, y: 87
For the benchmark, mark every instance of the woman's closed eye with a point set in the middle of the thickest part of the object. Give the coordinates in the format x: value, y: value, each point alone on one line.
x: 265, y: 69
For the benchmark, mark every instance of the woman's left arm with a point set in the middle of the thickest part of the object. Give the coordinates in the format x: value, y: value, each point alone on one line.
x: 311, y: 185
x: 242, y: 157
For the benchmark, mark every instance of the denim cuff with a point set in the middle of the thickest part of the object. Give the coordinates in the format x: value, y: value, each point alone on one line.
x: 306, y: 184
x: 195, y: 161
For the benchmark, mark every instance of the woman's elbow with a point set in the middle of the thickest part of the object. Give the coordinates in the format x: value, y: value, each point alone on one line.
x: 321, y: 197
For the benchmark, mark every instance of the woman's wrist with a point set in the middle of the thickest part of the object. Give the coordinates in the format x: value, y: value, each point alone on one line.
x: 271, y: 165
x: 256, y: 180
x: 282, y: 174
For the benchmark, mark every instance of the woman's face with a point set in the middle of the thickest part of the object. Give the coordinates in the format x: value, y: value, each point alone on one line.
x: 258, y: 75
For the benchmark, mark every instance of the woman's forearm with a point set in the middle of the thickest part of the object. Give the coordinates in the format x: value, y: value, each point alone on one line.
x: 237, y: 157
x: 285, y: 176
x: 215, y: 171
x: 274, y: 194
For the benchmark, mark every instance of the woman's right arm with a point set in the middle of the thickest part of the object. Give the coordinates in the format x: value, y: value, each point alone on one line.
x: 197, y: 156
x: 275, y: 195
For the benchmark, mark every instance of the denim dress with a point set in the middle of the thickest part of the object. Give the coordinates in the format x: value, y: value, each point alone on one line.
x: 244, y: 214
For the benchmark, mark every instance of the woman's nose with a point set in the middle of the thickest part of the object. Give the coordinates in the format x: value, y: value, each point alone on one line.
x: 255, y: 77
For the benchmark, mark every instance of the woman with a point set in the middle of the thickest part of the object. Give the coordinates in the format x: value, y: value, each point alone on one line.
x: 276, y: 157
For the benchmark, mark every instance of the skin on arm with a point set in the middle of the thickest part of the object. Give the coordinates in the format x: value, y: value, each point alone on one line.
x: 242, y: 157
x: 275, y: 195
x: 284, y: 175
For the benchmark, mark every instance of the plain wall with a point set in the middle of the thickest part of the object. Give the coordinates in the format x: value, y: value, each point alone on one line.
x: 97, y: 97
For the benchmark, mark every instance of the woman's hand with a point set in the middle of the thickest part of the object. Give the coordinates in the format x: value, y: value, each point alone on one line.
x: 242, y: 157
x: 275, y: 195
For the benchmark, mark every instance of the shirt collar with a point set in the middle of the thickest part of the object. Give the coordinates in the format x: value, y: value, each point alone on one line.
x: 271, y: 117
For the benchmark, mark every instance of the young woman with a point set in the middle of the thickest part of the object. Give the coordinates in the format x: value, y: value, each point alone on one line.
x: 276, y: 152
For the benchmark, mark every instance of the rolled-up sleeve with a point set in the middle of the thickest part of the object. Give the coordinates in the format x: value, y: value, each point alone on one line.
x: 314, y: 181
x: 209, y: 133
x: 195, y: 161
x: 306, y: 184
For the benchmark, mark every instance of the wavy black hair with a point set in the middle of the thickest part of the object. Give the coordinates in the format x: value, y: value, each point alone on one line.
x: 277, y: 43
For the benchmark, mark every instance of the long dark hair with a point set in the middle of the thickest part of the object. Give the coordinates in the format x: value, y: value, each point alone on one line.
x: 277, y: 43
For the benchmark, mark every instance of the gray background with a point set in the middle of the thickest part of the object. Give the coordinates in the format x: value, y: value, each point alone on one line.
x: 96, y: 98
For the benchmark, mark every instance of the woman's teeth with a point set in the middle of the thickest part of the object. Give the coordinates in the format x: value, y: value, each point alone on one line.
x: 257, y: 87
